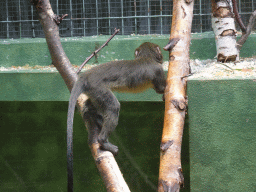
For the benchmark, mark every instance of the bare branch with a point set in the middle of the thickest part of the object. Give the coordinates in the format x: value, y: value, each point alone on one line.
x: 171, y: 44
x: 237, y: 15
x: 246, y: 34
x: 105, y: 161
x: 51, y: 31
x: 95, y: 52
x: 58, y: 19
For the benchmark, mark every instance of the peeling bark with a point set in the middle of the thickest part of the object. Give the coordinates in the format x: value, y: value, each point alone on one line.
x: 105, y: 161
x: 170, y: 171
x: 223, y: 12
x: 223, y: 24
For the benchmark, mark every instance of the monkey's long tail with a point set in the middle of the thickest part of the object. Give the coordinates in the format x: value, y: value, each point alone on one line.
x: 78, y: 88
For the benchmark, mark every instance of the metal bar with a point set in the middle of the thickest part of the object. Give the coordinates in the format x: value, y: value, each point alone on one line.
x: 97, y: 15
x: 239, y: 7
x: 135, y: 16
x: 17, y: 21
x: 148, y: 18
x: 99, y: 18
x: 7, y: 14
x: 57, y: 4
x: 20, y: 19
x: 33, y: 24
x: 122, y: 12
x: 161, y: 18
x: 84, y: 16
x: 200, y: 16
x: 109, y: 27
x: 128, y: 17
x: 71, y: 22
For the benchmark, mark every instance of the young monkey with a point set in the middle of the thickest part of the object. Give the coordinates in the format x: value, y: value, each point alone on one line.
x: 137, y: 75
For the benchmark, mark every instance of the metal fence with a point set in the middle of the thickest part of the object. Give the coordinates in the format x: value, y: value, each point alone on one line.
x: 18, y: 18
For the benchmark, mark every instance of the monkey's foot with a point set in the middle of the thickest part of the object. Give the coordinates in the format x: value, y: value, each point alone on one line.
x: 109, y: 147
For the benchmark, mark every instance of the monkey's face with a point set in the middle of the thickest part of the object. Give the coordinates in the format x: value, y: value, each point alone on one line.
x: 149, y: 50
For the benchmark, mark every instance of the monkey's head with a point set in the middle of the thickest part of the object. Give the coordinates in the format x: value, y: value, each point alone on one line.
x: 149, y: 50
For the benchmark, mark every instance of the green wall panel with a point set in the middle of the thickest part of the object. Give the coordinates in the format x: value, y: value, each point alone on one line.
x: 33, y: 147
x: 222, y: 119
x: 19, y: 52
x: 49, y: 86
x: 40, y: 85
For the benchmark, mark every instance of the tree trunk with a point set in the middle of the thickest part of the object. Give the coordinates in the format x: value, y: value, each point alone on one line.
x: 170, y: 172
x: 223, y: 24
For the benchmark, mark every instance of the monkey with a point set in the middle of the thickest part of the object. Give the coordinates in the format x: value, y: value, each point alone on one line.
x: 102, y: 107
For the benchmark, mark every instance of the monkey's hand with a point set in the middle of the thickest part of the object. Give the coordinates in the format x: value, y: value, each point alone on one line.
x: 159, y: 83
x: 163, y: 97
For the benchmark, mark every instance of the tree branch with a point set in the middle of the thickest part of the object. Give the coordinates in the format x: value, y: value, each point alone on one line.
x: 237, y: 15
x: 97, y: 51
x: 51, y: 31
x: 170, y: 171
x: 248, y: 31
x: 105, y: 161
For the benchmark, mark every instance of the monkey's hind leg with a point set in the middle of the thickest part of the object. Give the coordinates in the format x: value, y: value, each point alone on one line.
x: 109, y: 124
x: 93, y: 121
x: 109, y: 107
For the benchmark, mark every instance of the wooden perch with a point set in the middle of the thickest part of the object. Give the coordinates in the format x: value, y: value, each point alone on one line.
x: 104, y: 160
x: 170, y: 171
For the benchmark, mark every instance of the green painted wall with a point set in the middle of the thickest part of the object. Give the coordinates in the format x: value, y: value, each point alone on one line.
x: 222, y: 134
x: 19, y: 52
x: 40, y: 85
x: 33, y: 147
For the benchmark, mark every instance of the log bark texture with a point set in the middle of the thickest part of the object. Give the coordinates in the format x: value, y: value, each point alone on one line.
x: 170, y: 171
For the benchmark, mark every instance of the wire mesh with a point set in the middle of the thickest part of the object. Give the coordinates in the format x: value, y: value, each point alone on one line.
x: 18, y: 18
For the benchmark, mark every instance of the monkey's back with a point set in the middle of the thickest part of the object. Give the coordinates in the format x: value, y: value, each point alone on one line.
x: 123, y: 76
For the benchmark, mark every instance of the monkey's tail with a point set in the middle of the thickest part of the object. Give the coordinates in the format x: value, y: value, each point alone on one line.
x: 78, y: 88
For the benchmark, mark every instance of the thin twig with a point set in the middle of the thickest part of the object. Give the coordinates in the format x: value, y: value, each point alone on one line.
x: 238, y: 18
x: 226, y: 66
x: 95, y: 52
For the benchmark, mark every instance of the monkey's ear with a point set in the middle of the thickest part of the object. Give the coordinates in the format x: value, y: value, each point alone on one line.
x: 159, y: 56
x: 159, y: 50
x: 136, y: 52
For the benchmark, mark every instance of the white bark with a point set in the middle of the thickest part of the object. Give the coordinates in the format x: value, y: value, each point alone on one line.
x: 225, y: 43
